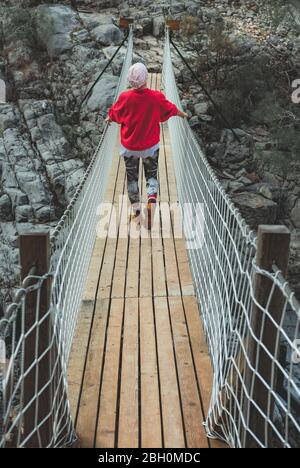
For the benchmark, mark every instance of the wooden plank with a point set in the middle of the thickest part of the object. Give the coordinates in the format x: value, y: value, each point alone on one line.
x: 201, y: 356
x: 171, y: 267
x: 145, y: 266
x: 128, y: 433
x: 107, y: 272
x: 133, y: 267
x: 78, y: 354
x: 106, y: 429
x: 191, y: 404
x: 199, y: 349
x: 111, y: 195
x: 167, y: 150
x: 87, y: 415
x: 145, y: 285
x: 170, y: 401
x: 94, y: 269
x: 159, y: 277
x: 80, y: 342
x: 113, y: 176
x: 163, y: 183
x: 150, y: 401
x: 186, y: 280
x: 119, y: 276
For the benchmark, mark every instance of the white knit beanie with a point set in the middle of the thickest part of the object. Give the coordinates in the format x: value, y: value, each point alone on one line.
x: 137, y: 75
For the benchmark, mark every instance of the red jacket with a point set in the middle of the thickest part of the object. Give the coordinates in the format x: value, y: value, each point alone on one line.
x: 139, y: 111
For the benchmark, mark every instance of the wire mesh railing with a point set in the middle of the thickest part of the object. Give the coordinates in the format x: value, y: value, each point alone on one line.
x: 251, y: 317
x: 37, y: 330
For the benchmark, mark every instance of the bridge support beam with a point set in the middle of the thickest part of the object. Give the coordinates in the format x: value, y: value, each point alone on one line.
x: 272, y: 248
x: 36, y: 327
x: 46, y: 416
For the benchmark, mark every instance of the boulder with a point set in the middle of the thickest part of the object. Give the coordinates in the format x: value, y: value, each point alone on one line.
x: 5, y: 208
x: 194, y: 121
x: 177, y: 7
x: 65, y: 177
x: 118, y: 60
x: 103, y: 94
x: 107, y: 34
x: 33, y: 185
x: 24, y: 213
x: 45, y: 214
x: 255, y: 208
x: 51, y: 138
x: 55, y: 24
x: 201, y: 108
x: 158, y: 26
x: 92, y: 20
x: 295, y: 214
x: 17, y: 197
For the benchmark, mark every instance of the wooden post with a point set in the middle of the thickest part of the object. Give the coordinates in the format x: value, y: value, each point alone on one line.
x: 272, y: 247
x: 173, y: 24
x: 35, y: 252
x: 125, y: 22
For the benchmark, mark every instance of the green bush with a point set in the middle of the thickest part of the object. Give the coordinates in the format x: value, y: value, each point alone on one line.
x: 250, y: 90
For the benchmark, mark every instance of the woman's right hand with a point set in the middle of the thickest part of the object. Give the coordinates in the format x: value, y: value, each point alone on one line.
x: 181, y: 114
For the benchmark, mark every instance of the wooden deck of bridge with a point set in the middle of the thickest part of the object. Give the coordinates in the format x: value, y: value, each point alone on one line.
x: 139, y: 373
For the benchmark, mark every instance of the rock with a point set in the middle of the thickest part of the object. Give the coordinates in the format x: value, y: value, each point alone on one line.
x: 265, y: 191
x: 235, y: 151
x: 295, y: 214
x: 17, y: 197
x: 205, y: 118
x: 177, y: 7
x: 53, y: 140
x: 107, y: 34
x: 93, y: 20
x: 65, y: 177
x: 194, y: 121
x: 192, y: 8
x: 244, y: 180
x: 201, y: 108
x: 158, y: 26
x: 236, y: 186
x: 24, y: 213
x: 147, y: 25
x: 45, y: 214
x: 5, y: 208
x: 9, y: 233
x: 55, y: 24
x: 118, y: 60
x: 271, y: 179
x: 255, y: 208
x: 8, y: 118
x: 103, y: 94
x: 38, y: 194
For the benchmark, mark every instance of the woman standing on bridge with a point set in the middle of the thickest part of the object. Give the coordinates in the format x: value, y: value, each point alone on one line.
x: 140, y: 111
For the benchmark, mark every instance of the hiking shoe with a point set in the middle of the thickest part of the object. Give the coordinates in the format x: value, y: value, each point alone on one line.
x: 152, y: 198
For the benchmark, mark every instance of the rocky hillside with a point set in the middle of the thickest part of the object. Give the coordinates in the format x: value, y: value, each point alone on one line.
x: 247, y: 56
x: 51, y: 53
